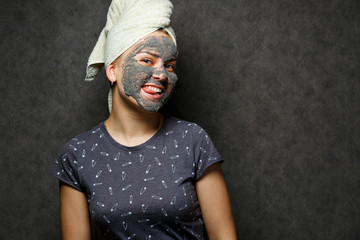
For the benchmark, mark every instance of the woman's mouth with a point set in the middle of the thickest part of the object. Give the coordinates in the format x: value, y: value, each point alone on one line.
x: 152, y: 91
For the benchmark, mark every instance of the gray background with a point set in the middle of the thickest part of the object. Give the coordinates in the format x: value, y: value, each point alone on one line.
x: 275, y: 83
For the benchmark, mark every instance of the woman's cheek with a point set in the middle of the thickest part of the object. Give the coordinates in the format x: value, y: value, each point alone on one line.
x: 142, y: 73
x: 173, y: 79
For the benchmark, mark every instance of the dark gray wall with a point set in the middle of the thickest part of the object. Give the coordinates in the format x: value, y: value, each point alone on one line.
x: 275, y: 83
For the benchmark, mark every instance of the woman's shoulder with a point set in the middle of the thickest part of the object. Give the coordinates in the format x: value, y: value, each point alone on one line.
x: 175, y: 124
x: 84, y: 138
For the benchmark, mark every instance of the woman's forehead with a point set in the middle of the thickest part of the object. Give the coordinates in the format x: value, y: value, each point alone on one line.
x: 160, y: 44
x: 156, y: 39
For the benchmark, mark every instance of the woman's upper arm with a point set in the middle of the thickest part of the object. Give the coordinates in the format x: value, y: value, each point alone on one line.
x: 74, y: 214
x: 215, y: 204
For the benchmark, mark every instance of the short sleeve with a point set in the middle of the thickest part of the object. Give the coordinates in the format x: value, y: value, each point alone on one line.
x: 65, y: 168
x: 205, y: 151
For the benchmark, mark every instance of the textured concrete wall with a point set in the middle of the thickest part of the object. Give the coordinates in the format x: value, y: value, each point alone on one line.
x: 275, y: 83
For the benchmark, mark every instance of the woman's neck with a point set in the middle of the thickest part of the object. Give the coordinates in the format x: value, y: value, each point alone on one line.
x: 131, y: 127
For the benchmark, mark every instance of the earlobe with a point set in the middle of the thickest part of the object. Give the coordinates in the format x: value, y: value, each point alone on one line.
x: 110, y: 73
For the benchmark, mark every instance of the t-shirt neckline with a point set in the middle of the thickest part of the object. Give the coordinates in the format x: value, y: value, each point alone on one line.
x: 147, y: 143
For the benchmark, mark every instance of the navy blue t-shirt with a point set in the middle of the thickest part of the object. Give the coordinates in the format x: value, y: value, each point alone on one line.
x: 142, y: 192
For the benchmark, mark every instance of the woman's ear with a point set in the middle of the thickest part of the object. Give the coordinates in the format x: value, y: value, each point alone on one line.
x: 110, y: 73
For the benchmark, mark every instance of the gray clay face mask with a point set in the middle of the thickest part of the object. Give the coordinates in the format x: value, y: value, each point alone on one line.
x: 138, y: 77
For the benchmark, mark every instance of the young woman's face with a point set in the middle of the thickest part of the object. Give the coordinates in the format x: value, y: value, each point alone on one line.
x: 148, y: 71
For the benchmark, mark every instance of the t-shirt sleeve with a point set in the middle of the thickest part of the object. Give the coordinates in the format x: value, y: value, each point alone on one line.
x: 65, y: 167
x: 206, y: 153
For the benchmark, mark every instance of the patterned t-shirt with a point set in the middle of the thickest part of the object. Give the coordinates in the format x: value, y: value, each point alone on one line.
x: 142, y: 192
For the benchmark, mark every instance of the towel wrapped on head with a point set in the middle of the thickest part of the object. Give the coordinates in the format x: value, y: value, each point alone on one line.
x: 127, y: 22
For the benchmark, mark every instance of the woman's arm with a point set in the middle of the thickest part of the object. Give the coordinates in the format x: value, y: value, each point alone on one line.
x: 74, y: 214
x: 215, y: 204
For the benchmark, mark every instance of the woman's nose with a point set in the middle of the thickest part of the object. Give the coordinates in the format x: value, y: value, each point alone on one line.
x: 160, y: 73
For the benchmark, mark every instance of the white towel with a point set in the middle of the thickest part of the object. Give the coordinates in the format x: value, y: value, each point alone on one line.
x: 127, y: 22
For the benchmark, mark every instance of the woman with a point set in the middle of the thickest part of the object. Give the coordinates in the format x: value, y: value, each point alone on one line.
x: 141, y: 174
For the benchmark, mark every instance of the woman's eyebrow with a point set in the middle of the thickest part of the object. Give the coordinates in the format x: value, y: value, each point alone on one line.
x: 155, y: 54
x: 171, y: 59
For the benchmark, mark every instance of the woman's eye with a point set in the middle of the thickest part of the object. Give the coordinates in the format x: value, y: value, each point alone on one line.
x: 147, y: 61
x: 170, y: 67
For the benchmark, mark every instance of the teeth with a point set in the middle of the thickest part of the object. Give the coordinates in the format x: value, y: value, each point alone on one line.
x: 155, y: 89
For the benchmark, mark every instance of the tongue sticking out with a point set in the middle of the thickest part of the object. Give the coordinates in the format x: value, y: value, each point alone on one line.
x: 152, y: 90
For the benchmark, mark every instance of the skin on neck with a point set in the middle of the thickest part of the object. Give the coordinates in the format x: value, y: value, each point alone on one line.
x: 132, y: 121
x: 130, y: 126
